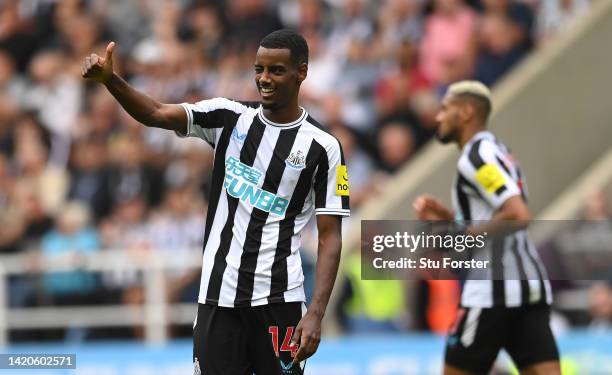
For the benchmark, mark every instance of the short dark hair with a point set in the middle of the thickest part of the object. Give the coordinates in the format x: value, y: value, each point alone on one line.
x: 482, y: 104
x: 288, y: 39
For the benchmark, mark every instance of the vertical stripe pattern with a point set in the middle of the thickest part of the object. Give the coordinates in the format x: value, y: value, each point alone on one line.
x: 487, y: 176
x: 269, y: 179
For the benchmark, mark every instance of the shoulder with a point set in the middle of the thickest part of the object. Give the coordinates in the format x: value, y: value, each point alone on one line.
x: 320, y: 134
x: 221, y: 103
x: 480, y: 151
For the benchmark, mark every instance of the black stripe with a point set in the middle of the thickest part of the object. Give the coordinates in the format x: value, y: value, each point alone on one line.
x: 497, y: 270
x: 319, y: 126
x: 214, y: 119
x: 503, y: 165
x: 247, y: 156
x: 523, y: 187
x: 252, y: 243
x: 462, y: 197
x: 474, y: 155
x: 345, y: 198
x: 283, y: 249
x: 525, y: 290
x: 536, y: 265
x: 500, y: 190
x: 320, y: 183
x: 218, y: 176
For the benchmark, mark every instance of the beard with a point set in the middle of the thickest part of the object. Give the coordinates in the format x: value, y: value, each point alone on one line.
x: 269, y: 106
x: 445, y: 138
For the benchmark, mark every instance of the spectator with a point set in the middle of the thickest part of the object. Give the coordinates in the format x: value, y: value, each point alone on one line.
x: 89, y: 181
x: 396, y: 145
x: 178, y: 228
x: 130, y: 176
x: 71, y: 238
x: 555, y: 16
x: 48, y: 182
x: 370, y: 306
x: 501, y: 48
x: 363, y: 176
x: 448, y: 44
x: 378, y: 65
x: 600, y: 307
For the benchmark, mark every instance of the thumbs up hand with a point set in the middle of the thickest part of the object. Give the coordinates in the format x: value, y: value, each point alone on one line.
x: 97, y: 68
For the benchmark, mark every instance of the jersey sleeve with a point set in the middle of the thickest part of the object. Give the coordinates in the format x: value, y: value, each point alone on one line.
x: 331, y: 185
x: 484, y: 169
x: 206, y: 118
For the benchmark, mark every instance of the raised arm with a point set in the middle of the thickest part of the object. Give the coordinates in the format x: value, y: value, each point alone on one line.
x: 141, y: 107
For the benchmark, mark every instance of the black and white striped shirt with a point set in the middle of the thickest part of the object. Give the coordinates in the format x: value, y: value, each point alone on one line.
x: 268, y: 179
x: 488, y: 175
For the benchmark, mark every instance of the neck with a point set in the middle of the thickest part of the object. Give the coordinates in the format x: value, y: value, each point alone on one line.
x: 287, y: 114
x: 468, y: 134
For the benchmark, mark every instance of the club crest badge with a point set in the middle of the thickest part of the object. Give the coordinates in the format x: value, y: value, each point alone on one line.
x: 296, y: 160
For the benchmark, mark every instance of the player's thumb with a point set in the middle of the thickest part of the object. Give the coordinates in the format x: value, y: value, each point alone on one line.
x: 296, y: 335
x: 109, y: 51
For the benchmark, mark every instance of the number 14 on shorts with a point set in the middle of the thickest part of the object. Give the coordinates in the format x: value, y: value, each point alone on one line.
x: 286, y: 345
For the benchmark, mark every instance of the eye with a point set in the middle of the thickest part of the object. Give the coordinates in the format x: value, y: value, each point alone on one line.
x: 258, y: 69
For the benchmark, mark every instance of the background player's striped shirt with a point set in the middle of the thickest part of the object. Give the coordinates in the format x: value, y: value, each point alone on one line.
x: 268, y: 180
x: 487, y: 176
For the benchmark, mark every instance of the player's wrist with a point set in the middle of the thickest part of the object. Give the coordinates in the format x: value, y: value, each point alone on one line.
x: 107, y: 79
x: 316, y: 311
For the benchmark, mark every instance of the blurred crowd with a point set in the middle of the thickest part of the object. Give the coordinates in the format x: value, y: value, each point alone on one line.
x: 76, y: 172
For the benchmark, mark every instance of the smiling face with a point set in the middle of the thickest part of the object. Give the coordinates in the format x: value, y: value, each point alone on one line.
x: 278, y: 77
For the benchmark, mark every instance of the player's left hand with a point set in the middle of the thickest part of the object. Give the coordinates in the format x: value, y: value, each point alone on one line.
x: 308, y: 334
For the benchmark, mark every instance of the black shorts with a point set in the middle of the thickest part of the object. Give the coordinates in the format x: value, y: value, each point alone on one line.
x: 246, y: 340
x: 479, y: 333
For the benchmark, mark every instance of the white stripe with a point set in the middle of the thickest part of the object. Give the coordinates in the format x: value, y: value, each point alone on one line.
x: 477, y: 293
x: 269, y: 235
x: 513, y: 292
x: 295, y: 274
x: 227, y: 294
x: 208, y: 259
x: 269, y: 240
x: 470, y: 327
x: 265, y: 260
x: 338, y: 212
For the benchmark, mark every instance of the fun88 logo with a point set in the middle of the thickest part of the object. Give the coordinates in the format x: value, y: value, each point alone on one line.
x: 241, y: 182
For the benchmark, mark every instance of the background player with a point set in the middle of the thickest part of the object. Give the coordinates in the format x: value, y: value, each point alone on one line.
x: 502, y: 311
x: 273, y: 168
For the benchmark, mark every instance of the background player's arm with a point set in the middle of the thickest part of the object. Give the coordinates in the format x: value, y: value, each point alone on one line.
x: 513, y: 215
x: 140, y: 106
x: 498, y: 189
x: 428, y: 207
x: 308, y: 331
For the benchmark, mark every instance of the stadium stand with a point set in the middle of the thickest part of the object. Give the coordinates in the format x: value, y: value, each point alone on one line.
x: 377, y: 71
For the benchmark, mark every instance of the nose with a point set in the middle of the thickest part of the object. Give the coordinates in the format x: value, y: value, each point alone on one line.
x: 264, y: 77
x: 438, y: 117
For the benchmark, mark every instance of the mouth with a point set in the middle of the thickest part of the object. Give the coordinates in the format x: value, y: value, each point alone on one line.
x: 266, y: 92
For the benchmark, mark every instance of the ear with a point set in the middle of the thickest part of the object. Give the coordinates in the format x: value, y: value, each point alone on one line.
x: 302, y: 71
x: 467, y: 111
